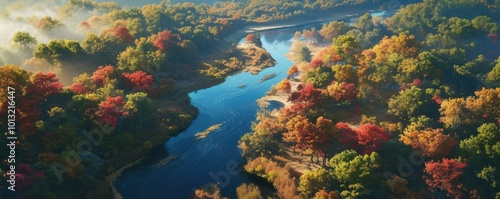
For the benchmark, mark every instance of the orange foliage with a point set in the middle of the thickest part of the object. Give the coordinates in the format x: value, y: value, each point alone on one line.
x: 431, y: 142
x: 284, y: 85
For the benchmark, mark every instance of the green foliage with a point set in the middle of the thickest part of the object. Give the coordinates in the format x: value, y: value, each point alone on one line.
x: 320, y: 77
x: 486, y: 144
x: 24, y: 39
x: 314, y: 180
x: 355, y: 173
x: 407, y: 103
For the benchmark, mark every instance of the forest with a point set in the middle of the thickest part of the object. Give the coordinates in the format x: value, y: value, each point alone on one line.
x: 398, y: 107
x: 98, y: 86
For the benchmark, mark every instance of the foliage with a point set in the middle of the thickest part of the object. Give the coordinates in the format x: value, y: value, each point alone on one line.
x: 444, y: 175
x: 431, y: 142
x: 355, y: 173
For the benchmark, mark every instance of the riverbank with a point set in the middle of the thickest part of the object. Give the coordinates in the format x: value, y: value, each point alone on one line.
x: 338, y: 14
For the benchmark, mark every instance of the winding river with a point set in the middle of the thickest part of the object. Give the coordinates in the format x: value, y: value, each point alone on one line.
x: 216, y: 158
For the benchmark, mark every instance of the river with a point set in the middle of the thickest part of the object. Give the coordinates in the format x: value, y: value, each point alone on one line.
x: 213, y: 159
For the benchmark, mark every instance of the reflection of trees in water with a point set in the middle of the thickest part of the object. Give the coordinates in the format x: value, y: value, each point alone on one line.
x: 285, y: 34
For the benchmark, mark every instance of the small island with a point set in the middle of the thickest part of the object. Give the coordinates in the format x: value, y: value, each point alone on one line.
x: 204, y: 134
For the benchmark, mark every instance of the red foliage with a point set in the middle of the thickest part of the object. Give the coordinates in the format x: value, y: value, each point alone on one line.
x: 292, y: 70
x: 365, y: 139
x: 418, y: 82
x: 124, y: 34
x: 308, y: 95
x: 29, y: 113
x: 42, y: 86
x: 165, y: 40
x: 78, y: 88
x: 437, y: 99
x: 103, y: 74
x: 110, y: 110
x: 139, y: 81
x: 371, y: 137
x: 315, y: 63
x: 445, y: 176
x: 250, y: 38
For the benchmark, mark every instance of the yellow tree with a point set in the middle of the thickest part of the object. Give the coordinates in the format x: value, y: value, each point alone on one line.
x: 431, y: 142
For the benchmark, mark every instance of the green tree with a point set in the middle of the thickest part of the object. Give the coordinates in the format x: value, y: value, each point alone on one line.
x: 355, y: 173
x: 24, y: 39
x: 407, y: 103
x: 314, y: 180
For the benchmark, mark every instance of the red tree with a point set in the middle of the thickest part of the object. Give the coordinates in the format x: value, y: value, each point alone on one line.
x: 315, y: 63
x: 103, y: 74
x: 139, y: 81
x: 371, y: 137
x: 418, y: 82
x: 308, y: 96
x: 124, y: 34
x: 110, y: 110
x: 366, y: 139
x: 165, y: 40
x: 445, y: 176
x: 42, y: 86
x: 78, y: 88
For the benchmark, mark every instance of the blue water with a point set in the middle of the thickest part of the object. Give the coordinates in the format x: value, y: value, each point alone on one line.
x: 218, y: 153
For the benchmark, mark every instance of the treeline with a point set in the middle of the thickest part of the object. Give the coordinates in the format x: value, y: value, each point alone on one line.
x: 403, y: 107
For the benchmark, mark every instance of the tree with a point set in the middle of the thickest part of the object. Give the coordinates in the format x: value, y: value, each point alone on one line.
x: 485, y: 104
x: 103, y: 75
x: 139, y: 81
x: 365, y: 139
x: 454, y: 113
x: 332, y: 30
x: 165, y: 40
x: 347, y: 47
x: 308, y: 96
x: 431, y: 142
x: 248, y: 191
x: 301, y: 51
x: 24, y: 39
x: 407, y: 103
x: 298, y: 128
x: 486, y: 144
x: 325, y: 133
x: 355, y: 173
x: 284, y: 85
x: 42, y: 86
x: 445, y: 175
x: 123, y: 33
x: 141, y: 110
x: 110, y: 110
x: 312, y: 181
x: 48, y: 23
x: 342, y: 91
x: 322, y: 194
x: 494, y: 74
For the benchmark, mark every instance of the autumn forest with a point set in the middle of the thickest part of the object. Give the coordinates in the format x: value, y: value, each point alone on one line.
x: 403, y: 105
